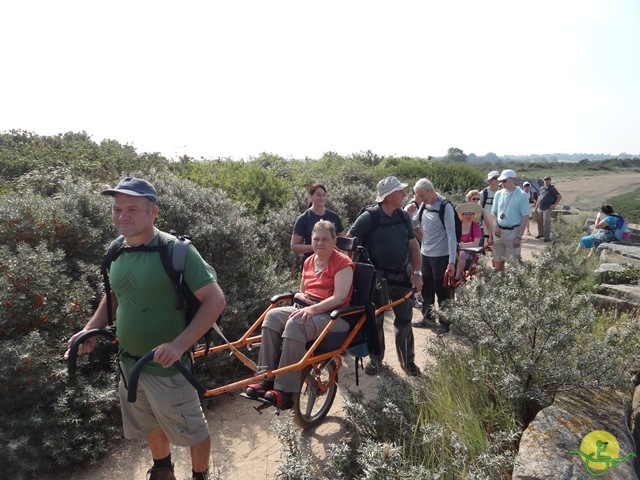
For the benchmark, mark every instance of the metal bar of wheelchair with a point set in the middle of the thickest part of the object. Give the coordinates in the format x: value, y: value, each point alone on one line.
x: 146, y: 358
x: 72, y: 361
x: 246, y: 339
x: 389, y: 306
x: 312, y: 357
x: 309, y: 358
x: 476, y: 251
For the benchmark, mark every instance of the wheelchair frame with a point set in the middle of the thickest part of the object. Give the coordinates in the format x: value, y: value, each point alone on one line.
x: 450, y: 281
x: 319, y: 369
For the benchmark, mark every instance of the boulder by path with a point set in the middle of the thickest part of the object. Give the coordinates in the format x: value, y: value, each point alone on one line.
x: 548, y: 442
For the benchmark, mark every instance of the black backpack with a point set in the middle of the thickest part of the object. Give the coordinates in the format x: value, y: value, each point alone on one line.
x: 485, y: 198
x: 174, y: 267
x: 374, y: 212
x: 441, y: 211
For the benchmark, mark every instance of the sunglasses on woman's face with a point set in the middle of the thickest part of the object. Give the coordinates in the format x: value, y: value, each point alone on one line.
x: 475, y: 199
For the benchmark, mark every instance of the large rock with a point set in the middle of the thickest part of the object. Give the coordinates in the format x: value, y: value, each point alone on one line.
x: 620, y: 252
x: 561, y: 428
x: 609, y: 272
x: 629, y: 293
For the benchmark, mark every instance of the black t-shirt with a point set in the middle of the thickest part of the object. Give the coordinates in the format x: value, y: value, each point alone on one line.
x: 305, y: 223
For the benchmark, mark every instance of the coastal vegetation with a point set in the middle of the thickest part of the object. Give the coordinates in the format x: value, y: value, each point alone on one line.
x: 56, y: 226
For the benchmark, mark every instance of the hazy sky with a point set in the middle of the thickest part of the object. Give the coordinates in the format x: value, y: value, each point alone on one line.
x: 300, y: 78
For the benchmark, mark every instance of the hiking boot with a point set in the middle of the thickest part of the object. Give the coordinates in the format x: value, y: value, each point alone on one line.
x: 372, y: 367
x: 539, y: 236
x: 443, y: 328
x: 442, y: 315
x: 161, y: 473
x: 424, y: 323
x: 412, y: 370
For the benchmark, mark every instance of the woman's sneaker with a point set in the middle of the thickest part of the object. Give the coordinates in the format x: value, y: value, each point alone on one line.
x: 281, y: 400
x: 257, y: 390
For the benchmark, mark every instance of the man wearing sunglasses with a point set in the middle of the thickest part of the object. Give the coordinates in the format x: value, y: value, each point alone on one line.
x: 510, y: 217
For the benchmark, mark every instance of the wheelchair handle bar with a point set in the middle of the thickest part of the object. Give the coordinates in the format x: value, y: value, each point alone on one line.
x: 146, y: 358
x: 73, y: 351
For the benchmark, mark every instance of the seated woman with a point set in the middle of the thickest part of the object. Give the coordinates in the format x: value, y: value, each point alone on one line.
x: 469, y: 214
x: 604, y: 228
x: 327, y: 284
x: 474, y: 196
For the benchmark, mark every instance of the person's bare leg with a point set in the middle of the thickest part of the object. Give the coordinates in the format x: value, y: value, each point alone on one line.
x: 500, y: 266
x: 200, y: 455
x: 159, y: 444
x: 462, y: 259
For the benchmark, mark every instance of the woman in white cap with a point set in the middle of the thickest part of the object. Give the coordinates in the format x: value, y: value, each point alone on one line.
x: 471, y: 233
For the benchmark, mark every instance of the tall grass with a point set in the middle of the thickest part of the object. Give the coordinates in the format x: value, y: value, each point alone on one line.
x: 466, y: 426
x: 452, y: 424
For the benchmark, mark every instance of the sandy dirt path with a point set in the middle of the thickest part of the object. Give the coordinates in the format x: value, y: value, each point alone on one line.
x: 245, y: 446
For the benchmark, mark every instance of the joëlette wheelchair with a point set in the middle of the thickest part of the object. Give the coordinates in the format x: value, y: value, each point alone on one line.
x: 470, y: 268
x: 320, y: 365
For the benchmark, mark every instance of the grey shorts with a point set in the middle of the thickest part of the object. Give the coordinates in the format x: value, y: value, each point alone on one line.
x: 168, y: 403
x: 503, y: 248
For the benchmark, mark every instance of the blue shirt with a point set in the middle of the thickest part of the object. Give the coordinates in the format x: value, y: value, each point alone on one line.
x: 510, y: 208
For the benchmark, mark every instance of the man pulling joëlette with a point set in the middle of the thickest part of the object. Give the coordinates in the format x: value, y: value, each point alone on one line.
x: 167, y: 410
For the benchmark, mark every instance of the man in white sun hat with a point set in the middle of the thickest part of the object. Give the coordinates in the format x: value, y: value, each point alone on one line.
x: 387, y: 233
x: 510, y: 217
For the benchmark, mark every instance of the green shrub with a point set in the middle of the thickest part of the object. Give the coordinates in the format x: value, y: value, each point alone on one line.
x: 447, y: 177
x: 527, y: 319
x: 45, y: 421
x: 23, y: 152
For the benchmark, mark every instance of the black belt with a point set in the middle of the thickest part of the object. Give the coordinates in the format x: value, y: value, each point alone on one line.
x: 509, y: 228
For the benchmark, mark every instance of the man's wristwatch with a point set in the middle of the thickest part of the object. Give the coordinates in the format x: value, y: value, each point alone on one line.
x: 417, y: 272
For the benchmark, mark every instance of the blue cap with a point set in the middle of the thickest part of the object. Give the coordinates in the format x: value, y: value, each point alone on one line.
x: 133, y: 186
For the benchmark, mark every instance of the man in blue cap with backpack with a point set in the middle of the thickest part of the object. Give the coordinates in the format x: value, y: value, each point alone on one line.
x: 144, y: 300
